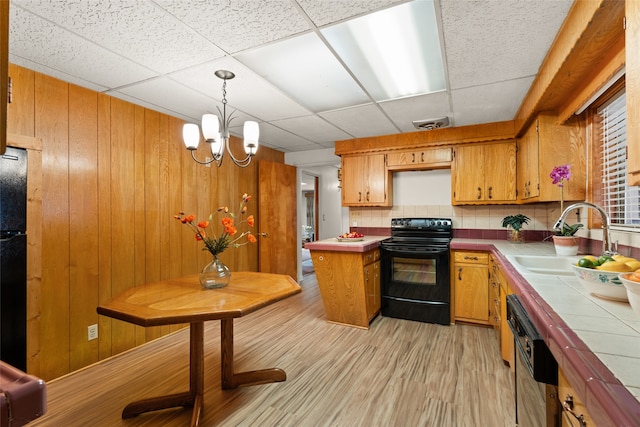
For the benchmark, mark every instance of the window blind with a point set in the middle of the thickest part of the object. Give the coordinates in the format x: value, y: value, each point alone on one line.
x: 620, y: 201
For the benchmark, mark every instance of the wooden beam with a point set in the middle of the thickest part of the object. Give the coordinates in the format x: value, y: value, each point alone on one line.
x: 590, y: 30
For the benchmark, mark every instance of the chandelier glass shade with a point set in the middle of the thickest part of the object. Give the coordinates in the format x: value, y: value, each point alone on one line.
x: 215, y: 131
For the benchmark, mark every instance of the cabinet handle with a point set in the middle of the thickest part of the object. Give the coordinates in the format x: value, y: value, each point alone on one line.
x: 413, y: 157
x: 460, y: 274
x: 567, y: 405
x: 422, y: 157
x: 479, y: 193
x: 359, y: 196
x: 473, y: 258
x: 490, y: 196
x: 368, y: 192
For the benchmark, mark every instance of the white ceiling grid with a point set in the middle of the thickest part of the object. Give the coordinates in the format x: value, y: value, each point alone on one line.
x: 162, y: 54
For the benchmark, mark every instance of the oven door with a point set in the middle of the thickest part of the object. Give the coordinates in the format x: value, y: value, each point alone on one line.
x: 415, y: 284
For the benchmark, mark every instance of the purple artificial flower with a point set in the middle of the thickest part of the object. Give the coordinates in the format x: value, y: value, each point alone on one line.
x: 559, y: 174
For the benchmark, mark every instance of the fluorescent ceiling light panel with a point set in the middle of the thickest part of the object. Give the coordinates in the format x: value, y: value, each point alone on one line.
x: 305, y: 69
x: 394, y: 53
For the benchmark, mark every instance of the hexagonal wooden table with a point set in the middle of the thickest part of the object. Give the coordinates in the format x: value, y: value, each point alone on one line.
x: 183, y: 300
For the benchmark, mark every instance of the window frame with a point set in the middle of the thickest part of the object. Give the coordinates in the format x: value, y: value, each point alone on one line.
x: 594, y: 184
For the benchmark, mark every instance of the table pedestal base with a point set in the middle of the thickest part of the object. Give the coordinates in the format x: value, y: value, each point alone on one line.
x: 194, y: 397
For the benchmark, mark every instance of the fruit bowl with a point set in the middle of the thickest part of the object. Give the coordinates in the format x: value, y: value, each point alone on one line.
x: 633, y: 291
x: 602, y: 284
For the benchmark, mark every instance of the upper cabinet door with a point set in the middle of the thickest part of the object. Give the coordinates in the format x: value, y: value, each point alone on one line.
x: 366, y: 181
x: 468, y: 173
x: 484, y: 173
x: 545, y: 145
x: 632, y: 41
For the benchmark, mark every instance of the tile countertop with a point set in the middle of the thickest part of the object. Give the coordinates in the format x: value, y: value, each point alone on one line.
x: 595, y: 341
x: 366, y: 244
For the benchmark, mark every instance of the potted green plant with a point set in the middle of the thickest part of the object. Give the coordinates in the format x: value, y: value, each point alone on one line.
x: 515, y: 223
x: 565, y: 241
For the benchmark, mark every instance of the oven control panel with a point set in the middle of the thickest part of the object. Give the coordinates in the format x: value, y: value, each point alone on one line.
x: 421, y: 223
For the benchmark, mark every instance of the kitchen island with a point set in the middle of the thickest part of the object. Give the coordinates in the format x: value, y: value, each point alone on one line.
x: 348, y: 274
x: 596, y: 342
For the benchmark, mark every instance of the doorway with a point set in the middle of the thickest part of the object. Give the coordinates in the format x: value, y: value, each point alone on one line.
x: 309, y: 206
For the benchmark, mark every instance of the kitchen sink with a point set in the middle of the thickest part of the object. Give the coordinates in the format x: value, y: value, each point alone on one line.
x: 549, y: 265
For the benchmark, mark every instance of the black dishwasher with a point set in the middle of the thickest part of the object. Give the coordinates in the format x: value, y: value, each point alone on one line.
x: 536, y: 372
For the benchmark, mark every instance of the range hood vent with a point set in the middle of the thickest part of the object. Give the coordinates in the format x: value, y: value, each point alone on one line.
x: 430, y: 124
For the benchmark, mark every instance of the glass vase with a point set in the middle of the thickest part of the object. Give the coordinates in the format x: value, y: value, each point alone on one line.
x: 215, y: 275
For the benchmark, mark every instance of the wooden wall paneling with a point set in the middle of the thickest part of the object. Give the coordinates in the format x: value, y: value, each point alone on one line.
x: 149, y: 203
x: 164, y: 217
x: 139, y: 207
x: 104, y: 221
x: 175, y: 152
x: 188, y: 205
x: 83, y: 212
x: 51, y: 125
x: 174, y: 231
x: 123, y: 224
x: 226, y: 192
x: 21, y: 111
x: 148, y: 207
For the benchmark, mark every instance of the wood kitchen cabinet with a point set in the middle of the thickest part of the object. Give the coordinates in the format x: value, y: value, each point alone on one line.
x: 470, y: 281
x: 545, y: 145
x: 366, y: 181
x: 349, y: 283
x: 484, y: 173
x: 632, y: 88
x: 569, y: 399
x: 500, y: 288
x: 425, y: 158
x: 372, y: 283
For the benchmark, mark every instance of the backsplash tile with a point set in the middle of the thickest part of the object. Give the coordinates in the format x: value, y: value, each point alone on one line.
x: 485, y: 222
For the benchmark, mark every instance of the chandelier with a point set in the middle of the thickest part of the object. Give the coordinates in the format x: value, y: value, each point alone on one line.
x: 216, y: 132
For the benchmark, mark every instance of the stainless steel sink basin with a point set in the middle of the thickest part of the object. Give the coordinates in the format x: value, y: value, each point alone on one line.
x: 549, y: 265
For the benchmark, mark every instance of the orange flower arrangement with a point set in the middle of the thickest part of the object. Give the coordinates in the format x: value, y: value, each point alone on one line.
x: 215, y: 243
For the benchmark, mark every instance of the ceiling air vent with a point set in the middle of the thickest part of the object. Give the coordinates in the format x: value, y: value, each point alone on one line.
x: 430, y: 124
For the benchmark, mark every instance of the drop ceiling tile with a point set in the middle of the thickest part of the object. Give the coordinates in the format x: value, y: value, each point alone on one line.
x: 159, y: 42
x: 167, y: 94
x: 50, y: 45
x: 258, y: 97
x: 278, y: 138
x: 404, y: 111
x: 489, y: 103
x: 313, y: 128
x: 52, y: 72
x: 361, y: 121
x: 306, y: 70
x: 323, y: 12
x: 241, y: 24
x: 488, y: 41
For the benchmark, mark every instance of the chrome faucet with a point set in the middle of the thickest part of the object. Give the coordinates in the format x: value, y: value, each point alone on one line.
x: 606, y: 224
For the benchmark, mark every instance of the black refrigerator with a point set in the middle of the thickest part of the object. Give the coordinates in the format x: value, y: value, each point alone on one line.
x: 13, y: 257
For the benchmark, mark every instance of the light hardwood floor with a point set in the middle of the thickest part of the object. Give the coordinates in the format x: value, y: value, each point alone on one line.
x: 397, y: 373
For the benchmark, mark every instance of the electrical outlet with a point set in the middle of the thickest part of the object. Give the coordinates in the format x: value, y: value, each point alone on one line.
x: 92, y: 332
x: 354, y: 224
